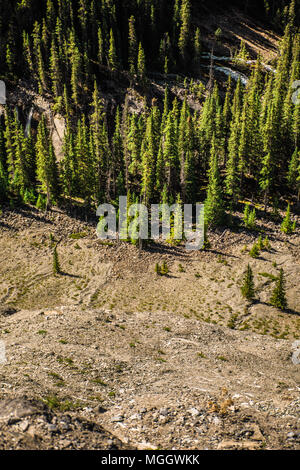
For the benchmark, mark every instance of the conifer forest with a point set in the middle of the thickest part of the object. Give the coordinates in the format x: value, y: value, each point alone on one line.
x: 241, y: 141
x: 149, y: 230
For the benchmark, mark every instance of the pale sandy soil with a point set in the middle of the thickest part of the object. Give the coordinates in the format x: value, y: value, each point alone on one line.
x: 178, y: 361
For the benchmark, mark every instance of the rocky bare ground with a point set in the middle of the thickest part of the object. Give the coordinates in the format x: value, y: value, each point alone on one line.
x: 108, y: 355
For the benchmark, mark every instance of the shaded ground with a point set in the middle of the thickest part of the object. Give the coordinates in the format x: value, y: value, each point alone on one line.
x: 235, y: 27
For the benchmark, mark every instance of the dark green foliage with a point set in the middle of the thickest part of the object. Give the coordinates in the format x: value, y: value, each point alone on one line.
x: 47, y: 173
x: 247, y: 289
x: 278, y: 298
x: 214, y: 205
x: 164, y: 269
x: 206, y: 244
x: 133, y: 48
x: 112, y: 53
x: 185, y: 19
x: 69, y: 51
x: 157, y: 269
x: 141, y: 63
x: 287, y: 225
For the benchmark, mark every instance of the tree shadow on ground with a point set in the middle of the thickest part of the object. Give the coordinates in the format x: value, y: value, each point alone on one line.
x: 268, y: 304
x: 74, y: 276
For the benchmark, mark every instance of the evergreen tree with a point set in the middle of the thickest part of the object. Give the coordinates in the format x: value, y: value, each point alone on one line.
x: 117, y: 151
x: 133, y: 48
x: 75, y: 61
x: 254, y: 252
x: 293, y: 176
x: 233, y: 180
x: 214, y: 204
x: 41, y: 71
x: 112, y: 53
x: 69, y: 166
x: 141, y: 64
x: 185, y: 18
x: 101, y: 51
x: 287, y: 224
x: 133, y: 147
x: 247, y: 289
x: 278, y: 298
x: 254, y: 133
x: 148, y: 163
x: 260, y: 243
x: 267, y: 244
x: 47, y: 173
x: 55, y: 70
x: 170, y: 153
x: 27, y: 52
x: 164, y: 269
x: 56, y: 264
x: 197, y: 47
x: 158, y: 269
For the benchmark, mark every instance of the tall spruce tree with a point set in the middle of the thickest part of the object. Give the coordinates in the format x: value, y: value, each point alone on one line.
x: 112, y: 53
x: 214, y: 204
x: 185, y: 19
x: 47, y: 173
x: 133, y: 46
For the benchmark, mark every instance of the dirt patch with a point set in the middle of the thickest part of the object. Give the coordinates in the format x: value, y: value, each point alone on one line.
x: 178, y: 361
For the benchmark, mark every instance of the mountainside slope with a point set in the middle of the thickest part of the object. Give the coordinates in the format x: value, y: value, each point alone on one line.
x: 180, y: 361
x: 161, y: 101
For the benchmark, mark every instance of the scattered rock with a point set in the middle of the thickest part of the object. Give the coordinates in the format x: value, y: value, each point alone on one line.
x: 194, y: 412
x: 52, y: 428
x: 117, y: 419
x: 24, y: 425
x: 14, y: 410
x: 146, y: 446
x: 237, y: 445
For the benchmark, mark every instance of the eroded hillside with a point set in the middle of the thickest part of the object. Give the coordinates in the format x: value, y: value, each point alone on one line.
x: 178, y: 361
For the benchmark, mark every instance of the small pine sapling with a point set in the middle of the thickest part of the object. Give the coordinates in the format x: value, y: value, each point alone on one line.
x: 254, y: 252
x: 278, y: 298
x: 287, y: 225
x: 56, y: 265
x: 267, y: 244
x: 260, y: 243
x: 247, y: 289
x: 164, y: 268
x: 158, y: 269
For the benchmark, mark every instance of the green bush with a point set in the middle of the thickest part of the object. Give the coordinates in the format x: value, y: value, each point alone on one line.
x: 254, y: 252
x: 287, y: 225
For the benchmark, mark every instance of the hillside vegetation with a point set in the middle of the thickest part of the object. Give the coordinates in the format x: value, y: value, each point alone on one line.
x: 131, y: 344
x: 214, y: 141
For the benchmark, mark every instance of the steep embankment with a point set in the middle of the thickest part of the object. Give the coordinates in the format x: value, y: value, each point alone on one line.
x: 177, y: 361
